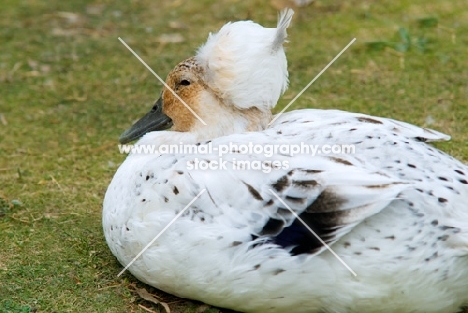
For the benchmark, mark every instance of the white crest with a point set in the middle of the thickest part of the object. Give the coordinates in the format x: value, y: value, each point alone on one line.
x: 245, y: 64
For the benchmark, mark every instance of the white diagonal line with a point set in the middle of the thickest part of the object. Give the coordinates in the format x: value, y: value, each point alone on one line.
x: 161, y: 232
x: 162, y: 81
x: 312, y: 81
x: 313, y: 233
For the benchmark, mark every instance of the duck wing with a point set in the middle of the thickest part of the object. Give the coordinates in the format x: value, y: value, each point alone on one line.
x: 328, y: 195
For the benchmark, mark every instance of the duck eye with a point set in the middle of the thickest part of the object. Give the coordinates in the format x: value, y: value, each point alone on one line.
x: 184, y: 82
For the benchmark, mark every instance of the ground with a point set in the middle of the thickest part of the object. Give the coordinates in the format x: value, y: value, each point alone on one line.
x: 69, y: 88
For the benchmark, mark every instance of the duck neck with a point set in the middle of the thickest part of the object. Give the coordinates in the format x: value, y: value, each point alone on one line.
x: 228, y: 123
x: 224, y: 123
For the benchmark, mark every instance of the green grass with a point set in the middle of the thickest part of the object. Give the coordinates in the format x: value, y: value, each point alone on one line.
x: 69, y: 88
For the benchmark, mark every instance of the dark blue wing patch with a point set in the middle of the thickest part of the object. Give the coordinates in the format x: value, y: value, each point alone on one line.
x: 299, y: 240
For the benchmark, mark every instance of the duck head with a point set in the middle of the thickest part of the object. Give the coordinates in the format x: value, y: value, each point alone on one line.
x: 229, y: 86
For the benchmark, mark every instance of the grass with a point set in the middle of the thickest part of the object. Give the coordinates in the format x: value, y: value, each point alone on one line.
x: 69, y: 88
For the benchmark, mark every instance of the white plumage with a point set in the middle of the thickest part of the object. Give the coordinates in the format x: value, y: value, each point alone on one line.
x: 229, y: 56
x: 395, y: 211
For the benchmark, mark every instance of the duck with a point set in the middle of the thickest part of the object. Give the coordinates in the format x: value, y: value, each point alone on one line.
x: 233, y: 207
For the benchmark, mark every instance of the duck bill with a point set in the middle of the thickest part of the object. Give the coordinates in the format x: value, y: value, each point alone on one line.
x: 152, y: 121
